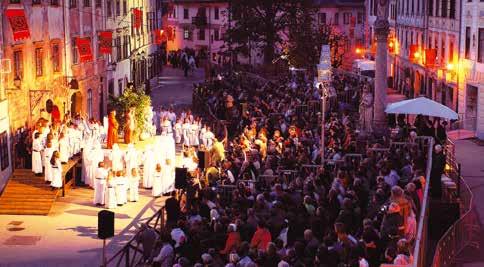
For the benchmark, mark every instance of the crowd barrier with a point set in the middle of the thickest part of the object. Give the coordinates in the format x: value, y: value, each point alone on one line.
x: 465, y: 231
x: 131, y: 254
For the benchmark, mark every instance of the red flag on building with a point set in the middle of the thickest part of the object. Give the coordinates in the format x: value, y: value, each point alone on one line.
x: 138, y: 17
x: 414, y: 53
x: 84, y: 48
x: 159, y: 36
x: 105, y: 42
x: 18, y: 22
x: 169, y: 32
x: 430, y: 56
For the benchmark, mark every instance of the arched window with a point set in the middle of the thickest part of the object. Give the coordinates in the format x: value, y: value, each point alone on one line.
x: 89, y: 103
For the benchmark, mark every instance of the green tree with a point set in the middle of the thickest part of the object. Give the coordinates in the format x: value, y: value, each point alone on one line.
x: 306, y: 36
x: 132, y: 98
x: 258, y: 24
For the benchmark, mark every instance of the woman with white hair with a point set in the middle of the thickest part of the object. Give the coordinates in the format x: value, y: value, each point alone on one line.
x: 233, y: 241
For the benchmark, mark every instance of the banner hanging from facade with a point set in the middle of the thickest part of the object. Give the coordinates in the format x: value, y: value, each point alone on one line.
x: 105, y: 42
x: 84, y: 49
x: 18, y: 22
x: 137, y: 17
x: 159, y: 34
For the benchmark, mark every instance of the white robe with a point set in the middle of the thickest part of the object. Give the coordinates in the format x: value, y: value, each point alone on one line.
x: 167, y: 159
x: 86, y: 164
x: 48, y: 167
x: 56, y: 170
x: 148, y: 168
x: 178, y: 132
x: 117, y: 159
x: 193, y: 134
x: 111, y: 201
x: 64, y: 149
x: 207, y: 139
x: 131, y: 159
x: 100, y: 186
x: 133, y: 188
x: 121, y: 190
x: 36, y: 156
x: 157, y: 184
x: 186, y: 128
x: 96, y: 156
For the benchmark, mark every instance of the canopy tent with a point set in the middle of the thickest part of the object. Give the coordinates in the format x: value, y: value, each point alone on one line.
x: 422, y: 106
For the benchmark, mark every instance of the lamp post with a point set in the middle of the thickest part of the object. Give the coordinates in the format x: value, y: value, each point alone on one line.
x: 323, y: 86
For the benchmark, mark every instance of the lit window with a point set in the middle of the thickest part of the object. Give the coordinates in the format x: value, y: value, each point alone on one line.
x: 55, y: 58
x: 39, y: 61
x: 17, y: 64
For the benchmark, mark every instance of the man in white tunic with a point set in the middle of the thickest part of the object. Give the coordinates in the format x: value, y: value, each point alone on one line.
x: 208, y: 138
x: 56, y: 170
x: 36, y: 156
x: 148, y: 167
x: 48, y: 167
x: 157, y: 181
x: 64, y: 148
x: 96, y: 156
x: 100, y: 185
x: 86, y: 162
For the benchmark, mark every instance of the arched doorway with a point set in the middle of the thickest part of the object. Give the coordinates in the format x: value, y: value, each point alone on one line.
x: 76, y: 103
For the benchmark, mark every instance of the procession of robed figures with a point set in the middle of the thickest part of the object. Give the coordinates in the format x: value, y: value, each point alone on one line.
x: 114, y: 173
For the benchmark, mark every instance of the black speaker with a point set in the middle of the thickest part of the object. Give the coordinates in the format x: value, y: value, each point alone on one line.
x: 105, y: 224
x: 181, y: 178
x: 203, y: 159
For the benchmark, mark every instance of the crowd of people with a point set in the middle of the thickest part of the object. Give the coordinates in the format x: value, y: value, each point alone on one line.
x: 185, y: 59
x: 269, y: 199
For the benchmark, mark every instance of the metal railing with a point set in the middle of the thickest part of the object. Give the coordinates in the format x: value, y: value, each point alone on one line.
x: 465, y: 231
x: 131, y: 254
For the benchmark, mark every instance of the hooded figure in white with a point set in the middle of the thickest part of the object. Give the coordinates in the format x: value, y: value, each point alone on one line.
x: 116, y: 159
x: 167, y: 159
x: 86, y: 162
x: 148, y: 167
x: 48, y: 167
x: 64, y: 148
x: 131, y: 158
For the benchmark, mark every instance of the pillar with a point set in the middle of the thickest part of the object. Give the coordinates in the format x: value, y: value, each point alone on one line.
x: 379, y: 105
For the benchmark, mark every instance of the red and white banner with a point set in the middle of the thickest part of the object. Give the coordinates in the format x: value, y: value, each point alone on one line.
x: 105, y: 42
x: 158, y: 36
x: 137, y: 17
x: 84, y: 48
x: 18, y: 22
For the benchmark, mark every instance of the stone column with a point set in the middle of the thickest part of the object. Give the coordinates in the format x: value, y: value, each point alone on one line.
x: 379, y: 104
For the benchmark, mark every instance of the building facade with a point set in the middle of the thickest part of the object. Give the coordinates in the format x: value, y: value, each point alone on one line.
x: 470, y: 67
x: 135, y: 56
x: 198, y: 25
x: 347, y: 18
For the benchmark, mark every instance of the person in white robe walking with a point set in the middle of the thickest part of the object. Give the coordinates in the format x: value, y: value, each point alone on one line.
x: 194, y: 134
x: 121, y: 188
x: 133, y: 185
x: 157, y: 181
x: 96, y: 156
x: 36, y: 155
x: 100, y: 185
x: 47, y: 166
x: 63, y: 148
x: 111, y: 202
x: 56, y: 169
x: 208, y: 138
x: 178, y: 131
x: 186, y: 128
x: 167, y: 160
x: 86, y: 162
x: 148, y: 167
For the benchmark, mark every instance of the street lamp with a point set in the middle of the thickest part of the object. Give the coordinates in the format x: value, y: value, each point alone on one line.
x: 323, y: 86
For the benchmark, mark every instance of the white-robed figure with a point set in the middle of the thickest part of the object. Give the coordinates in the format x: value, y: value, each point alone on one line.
x: 178, y: 131
x: 207, y: 138
x: 166, y: 126
x: 96, y: 156
x: 48, y: 167
x: 121, y: 188
x: 100, y: 185
x: 194, y: 133
x: 116, y: 159
x: 157, y: 181
x: 86, y: 162
x: 133, y: 185
x: 56, y: 169
x: 110, y: 200
x: 148, y: 167
x: 186, y: 128
x: 167, y: 158
x: 36, y: 155
x: 131, y: 158
x: 64, y: 148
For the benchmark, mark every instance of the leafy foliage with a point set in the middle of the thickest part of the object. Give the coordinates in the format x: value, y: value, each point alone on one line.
x: 132, y: 98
